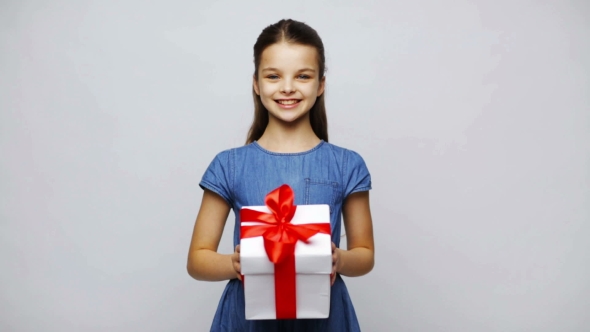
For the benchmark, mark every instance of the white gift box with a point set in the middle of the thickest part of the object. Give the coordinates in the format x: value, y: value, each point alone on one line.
x: 313, y: 265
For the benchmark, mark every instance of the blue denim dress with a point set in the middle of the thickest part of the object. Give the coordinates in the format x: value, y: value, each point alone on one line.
x: 326, y: 174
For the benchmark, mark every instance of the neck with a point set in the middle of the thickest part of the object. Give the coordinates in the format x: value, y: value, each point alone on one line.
x: 288, y: 137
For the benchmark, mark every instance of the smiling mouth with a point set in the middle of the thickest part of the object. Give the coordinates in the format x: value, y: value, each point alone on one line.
x: 288, y: 101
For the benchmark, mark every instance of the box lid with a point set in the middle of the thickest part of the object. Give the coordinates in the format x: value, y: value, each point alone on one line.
x: 314, y: 257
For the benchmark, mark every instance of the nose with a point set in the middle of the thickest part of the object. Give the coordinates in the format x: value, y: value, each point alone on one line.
x: 287, y: 87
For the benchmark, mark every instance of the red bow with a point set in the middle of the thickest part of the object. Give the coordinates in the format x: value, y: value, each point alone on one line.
x: 280, y: 237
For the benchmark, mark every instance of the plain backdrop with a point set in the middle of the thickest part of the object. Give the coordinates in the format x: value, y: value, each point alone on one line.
x: 472, y: 116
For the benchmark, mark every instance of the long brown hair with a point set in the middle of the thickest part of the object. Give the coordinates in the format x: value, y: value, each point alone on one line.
x: 298, y: 33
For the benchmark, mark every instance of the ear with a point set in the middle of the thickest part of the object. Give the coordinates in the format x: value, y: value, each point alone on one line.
x: 322, y: 86
x: 255, y: 85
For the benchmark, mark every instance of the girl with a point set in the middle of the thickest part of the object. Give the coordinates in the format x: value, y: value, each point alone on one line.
x: 287, y: 143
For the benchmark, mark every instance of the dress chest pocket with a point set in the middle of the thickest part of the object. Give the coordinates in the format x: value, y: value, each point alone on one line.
x: 321, y: 192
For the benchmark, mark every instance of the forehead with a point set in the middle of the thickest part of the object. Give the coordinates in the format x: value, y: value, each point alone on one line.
x: 289, y: 56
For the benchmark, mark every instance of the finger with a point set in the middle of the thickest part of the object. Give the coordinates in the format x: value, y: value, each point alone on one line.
x: 235, y: 257
x: 238, y: 268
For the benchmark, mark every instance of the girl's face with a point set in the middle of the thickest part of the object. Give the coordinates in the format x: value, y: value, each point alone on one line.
x: 288, y: 81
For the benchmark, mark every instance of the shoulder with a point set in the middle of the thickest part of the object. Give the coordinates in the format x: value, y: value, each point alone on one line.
x: 227, y: 155
x: 344, y: 154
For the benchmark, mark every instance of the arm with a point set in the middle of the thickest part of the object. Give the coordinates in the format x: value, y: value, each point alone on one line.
x: 358, y: 259
x: 204, y: 263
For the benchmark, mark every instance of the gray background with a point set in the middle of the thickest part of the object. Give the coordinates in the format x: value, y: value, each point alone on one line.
x: 473, y: 117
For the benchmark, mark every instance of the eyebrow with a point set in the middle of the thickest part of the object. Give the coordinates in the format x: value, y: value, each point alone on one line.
x: 300, y: 70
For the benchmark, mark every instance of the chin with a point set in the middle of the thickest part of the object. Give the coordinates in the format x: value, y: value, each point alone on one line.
x: 289, y: 119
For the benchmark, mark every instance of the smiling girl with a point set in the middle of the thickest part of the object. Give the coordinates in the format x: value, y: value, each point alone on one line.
x: 287, y: 144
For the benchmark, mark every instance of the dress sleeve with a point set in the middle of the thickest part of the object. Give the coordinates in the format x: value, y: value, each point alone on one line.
x: 357, y: 176
x: 219, y: 175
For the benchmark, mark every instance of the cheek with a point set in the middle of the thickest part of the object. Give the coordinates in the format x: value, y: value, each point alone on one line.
x: 266, y: 96
x: 311, y: 90
x: 266, y: 90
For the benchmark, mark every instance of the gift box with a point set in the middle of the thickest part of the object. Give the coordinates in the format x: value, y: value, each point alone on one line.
x: 286, y: 258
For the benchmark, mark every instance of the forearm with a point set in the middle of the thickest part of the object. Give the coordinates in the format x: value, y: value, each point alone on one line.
x: 208, y: 265
x: 355, y: 262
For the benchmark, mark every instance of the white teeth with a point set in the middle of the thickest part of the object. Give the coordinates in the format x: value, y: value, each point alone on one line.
x: 288, y: 102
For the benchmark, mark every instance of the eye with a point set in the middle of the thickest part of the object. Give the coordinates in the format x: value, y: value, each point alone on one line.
x: 273, y: 77
x: 303, y: 77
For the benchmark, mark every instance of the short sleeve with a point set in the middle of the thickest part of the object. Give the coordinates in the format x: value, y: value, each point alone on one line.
x: 356, y: 174
x: 219, y: 175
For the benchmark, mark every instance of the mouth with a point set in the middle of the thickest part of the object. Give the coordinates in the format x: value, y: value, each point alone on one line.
x: 288, y: 101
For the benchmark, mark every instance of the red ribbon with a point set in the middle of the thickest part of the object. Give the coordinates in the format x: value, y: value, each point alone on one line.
x: 280, y: 237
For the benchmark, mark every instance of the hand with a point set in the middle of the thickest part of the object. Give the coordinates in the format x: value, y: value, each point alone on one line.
x: 235, y: 259
x: 335, y: 262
